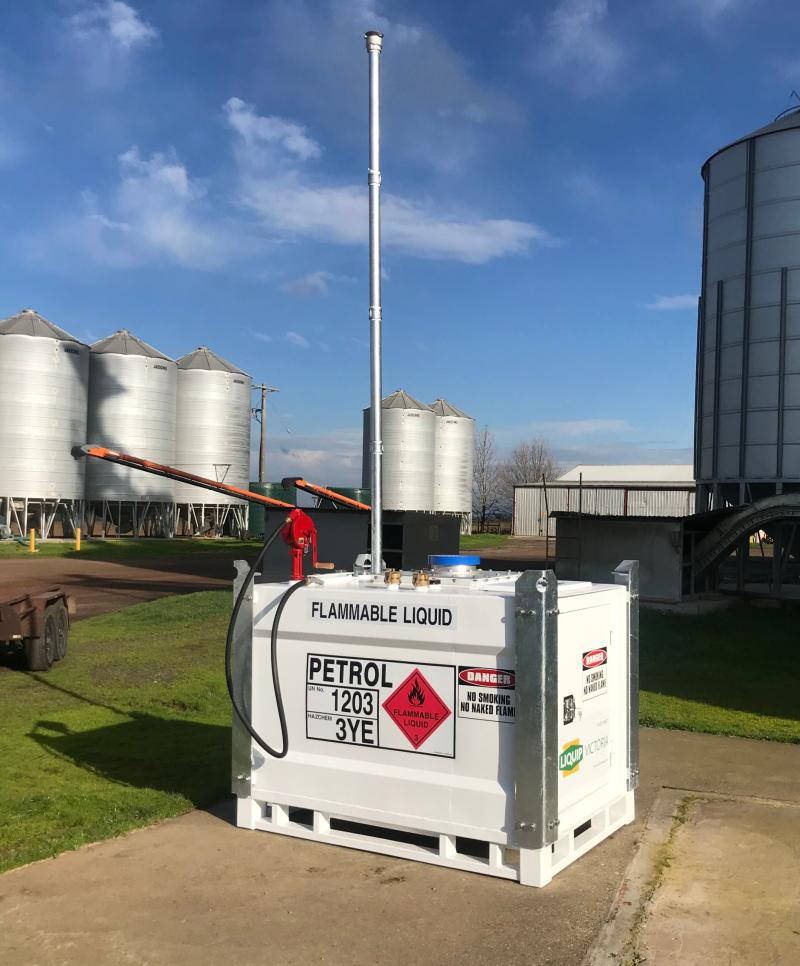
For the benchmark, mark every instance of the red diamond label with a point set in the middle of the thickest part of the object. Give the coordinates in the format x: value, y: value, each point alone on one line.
x: 416, y: 708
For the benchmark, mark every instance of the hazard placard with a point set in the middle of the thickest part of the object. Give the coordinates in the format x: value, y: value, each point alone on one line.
x: 416, y: 708
x: 394, y: 705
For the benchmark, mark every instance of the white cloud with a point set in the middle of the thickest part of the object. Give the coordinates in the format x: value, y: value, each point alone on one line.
x: 115, y: 21
x: 578, y: 46
x: 438, y: 110
x: 364, y: 14
x: 289, y: 200
x: 308, y: 286
x: 583, y: 427
x: 156, y: 212
x: 667, y: 303
x: 555, y: 430
x: 709, y: 10
x: 294, y: 338
x: 261, y: 336
x: 259, y: 133
x: 332, y: 457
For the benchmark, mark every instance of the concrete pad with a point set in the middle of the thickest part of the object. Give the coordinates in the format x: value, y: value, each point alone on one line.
x: 730, y: 891
x: 197, y: 891
x: 741, y: 767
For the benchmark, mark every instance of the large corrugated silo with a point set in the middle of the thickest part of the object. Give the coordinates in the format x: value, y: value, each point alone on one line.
x: 408, y: 453
x: 132, y: 403
x: 44, y: 378
x: 747, y: 441
x: 213, y: 432
x: 454, y: 453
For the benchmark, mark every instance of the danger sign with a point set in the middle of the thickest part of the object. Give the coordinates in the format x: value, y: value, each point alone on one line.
x: 487, y: 694
x: 416, y: 708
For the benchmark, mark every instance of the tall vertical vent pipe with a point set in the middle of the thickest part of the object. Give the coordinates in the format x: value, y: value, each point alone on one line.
x: 374, y: 41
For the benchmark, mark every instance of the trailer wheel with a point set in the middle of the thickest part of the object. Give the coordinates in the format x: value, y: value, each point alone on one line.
x: 62, y: 630
x: 40, y: 652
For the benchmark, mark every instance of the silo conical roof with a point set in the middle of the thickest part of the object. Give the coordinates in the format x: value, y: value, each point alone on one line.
x: 204, y: 358
x: 443, y: 408
x: 125, y: 343
x: 785, y: 122
x: 402, y: 400
x: 29, y: 322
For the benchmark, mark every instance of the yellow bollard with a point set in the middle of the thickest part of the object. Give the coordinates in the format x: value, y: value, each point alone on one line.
x: 32, y: 540
x: 77, y: 538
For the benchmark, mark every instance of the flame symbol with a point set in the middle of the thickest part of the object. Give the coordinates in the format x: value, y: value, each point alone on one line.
x: 416, y: 695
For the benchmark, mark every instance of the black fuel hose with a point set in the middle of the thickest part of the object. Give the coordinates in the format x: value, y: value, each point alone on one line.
x: 240, y: 714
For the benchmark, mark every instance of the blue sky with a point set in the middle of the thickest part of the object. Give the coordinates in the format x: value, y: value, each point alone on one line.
x: 196, y: 172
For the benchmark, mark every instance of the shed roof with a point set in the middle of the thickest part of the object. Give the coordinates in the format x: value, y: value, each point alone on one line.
x: 204, y: 358
x: 29, y: 322
x: 443, y: 408
x: 666, y: 473
x: 125, y: 343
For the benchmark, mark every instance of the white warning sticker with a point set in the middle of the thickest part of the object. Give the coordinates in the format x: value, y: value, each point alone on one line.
x: 488, y: 694
x: 595, y: 680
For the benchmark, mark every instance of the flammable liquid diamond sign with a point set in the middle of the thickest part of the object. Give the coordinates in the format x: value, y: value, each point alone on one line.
x: 416, y: 708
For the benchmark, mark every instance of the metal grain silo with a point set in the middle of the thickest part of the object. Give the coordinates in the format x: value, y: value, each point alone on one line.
x: 132, y: 399
x: 747, y: 437
x: 408, y: 453
x: 214, y: 403
x: 44, y: 378
x: 454, y: 446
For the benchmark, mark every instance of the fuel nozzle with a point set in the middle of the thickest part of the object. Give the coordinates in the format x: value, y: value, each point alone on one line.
x: 300, y: 535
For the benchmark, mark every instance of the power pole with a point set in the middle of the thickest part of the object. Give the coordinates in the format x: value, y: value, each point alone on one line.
x: 260, y: 414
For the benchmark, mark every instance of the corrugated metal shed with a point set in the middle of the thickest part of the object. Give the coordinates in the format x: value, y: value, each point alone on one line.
x: 534, y: 504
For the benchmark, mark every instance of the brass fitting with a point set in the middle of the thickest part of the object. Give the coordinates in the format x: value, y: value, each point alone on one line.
x: 421, y: 579
x: 392, y: 577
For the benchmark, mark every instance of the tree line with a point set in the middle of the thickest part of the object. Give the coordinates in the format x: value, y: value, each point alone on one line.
x: 494, y: 479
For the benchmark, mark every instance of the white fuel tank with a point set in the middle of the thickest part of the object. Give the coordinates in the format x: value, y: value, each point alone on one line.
x: 485, y: 722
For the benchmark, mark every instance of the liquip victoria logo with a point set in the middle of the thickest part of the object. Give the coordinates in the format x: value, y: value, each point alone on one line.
x: 569, y: 761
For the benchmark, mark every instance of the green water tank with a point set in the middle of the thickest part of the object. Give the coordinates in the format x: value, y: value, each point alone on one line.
x: 277, y: 492
x: 360, y: 493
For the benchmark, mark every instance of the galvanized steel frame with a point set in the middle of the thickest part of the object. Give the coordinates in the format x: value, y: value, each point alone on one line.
x: 242, y: 672
x: 627, y: 574
x: 72, y: 512
x: 160, y: 512
x: 536, y: 730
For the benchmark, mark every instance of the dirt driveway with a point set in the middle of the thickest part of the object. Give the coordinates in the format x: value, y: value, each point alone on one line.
x: 102, y: 586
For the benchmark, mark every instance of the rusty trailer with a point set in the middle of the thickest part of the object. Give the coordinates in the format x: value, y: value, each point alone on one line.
x: 37, y: 625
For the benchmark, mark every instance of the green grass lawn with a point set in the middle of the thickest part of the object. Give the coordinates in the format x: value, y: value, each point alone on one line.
x: 730, y: 673
x: 481, y: 541
x: 125, y: 547
x: 134, y: 726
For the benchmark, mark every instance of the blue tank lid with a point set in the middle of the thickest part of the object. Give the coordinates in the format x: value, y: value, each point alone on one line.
x: 454, y: 560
